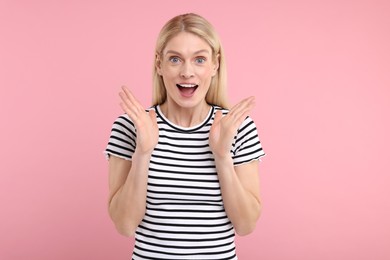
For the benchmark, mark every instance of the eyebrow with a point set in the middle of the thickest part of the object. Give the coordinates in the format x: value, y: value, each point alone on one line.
x: 195, y: 53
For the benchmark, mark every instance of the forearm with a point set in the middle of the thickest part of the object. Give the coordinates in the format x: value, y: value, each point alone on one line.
x: 128, y: 205
x: 242, y: 207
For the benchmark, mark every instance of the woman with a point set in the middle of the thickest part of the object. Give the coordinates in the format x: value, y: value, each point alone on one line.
x: 184, y: 173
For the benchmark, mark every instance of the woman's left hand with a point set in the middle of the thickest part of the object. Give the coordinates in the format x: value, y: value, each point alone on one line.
x: 225, y: 128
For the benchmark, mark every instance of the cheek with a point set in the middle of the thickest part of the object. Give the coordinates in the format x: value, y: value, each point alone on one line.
x: 206, y: 74
x: 169, y: 72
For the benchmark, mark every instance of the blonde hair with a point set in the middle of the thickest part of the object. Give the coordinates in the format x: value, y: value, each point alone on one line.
x: 195, y: 24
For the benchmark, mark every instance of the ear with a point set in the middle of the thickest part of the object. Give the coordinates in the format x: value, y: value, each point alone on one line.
x: 216, y: 65
x: 158, y: 64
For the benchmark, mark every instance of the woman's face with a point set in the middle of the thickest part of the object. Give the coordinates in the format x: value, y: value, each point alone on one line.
x: 187, y: 66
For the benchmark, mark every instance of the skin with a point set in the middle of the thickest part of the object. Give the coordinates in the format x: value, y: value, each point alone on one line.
x: 186, y: 59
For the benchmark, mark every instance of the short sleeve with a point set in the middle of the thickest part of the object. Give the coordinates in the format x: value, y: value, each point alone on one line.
x: 122, y: 139
x: 247, y: 146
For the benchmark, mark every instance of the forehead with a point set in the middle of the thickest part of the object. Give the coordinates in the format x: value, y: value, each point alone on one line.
x: 187, y: 43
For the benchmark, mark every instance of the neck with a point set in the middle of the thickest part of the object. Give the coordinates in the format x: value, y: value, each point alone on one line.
x: 185, y: 117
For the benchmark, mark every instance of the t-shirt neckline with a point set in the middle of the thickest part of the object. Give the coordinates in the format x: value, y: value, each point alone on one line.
x: 185, y: 129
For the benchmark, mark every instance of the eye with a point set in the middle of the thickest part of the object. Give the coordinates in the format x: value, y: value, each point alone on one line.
x: 174, y: 59
x: 200, y: 60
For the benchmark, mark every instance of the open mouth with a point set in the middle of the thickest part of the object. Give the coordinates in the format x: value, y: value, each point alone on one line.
x: 187, y: 90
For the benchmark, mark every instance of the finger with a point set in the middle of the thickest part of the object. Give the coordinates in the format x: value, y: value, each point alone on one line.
x: 242, y: 107
x: 127, y: 105
x: 134, y: 102
x: 217, y: 117
x: 242, y: 102
x: 246, y: 106
x: 241, y: 113
x: 130, y: 113
x: 131, y: 102
x: 152, y: 115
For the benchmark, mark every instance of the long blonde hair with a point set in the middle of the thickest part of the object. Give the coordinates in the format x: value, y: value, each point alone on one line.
x: 195, y: 24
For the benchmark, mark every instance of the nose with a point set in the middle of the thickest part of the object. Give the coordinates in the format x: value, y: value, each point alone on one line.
x: 187, y: 71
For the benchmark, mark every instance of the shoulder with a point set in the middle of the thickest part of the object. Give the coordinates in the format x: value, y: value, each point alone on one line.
x: 247, y: 125
x: 248, y: 122
x: 123, y: 121
x: 154, y: 108
x: 216, y: 108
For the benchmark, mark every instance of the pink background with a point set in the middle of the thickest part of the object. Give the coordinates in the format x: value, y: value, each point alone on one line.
x: 320, y: 72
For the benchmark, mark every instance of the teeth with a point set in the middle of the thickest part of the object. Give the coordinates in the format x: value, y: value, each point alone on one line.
x: 187, y: 85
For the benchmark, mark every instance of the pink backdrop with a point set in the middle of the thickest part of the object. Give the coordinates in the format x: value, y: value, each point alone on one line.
x: 320, y: 72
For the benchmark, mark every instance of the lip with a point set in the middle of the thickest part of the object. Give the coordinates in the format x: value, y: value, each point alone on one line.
x: 187, y: 89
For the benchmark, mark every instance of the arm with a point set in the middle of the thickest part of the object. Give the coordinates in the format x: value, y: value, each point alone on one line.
x: 240, y: 184
x: 127, y: 192
x: 240, y: 193
x: 128, y: 179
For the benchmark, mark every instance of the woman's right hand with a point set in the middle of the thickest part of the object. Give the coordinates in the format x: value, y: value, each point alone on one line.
x: 145, y: 123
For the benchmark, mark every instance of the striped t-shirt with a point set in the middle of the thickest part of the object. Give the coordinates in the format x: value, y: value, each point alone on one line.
x: 185, y: 216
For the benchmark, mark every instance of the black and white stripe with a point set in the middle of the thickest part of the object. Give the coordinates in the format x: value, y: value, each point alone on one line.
x: 185, y: 216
